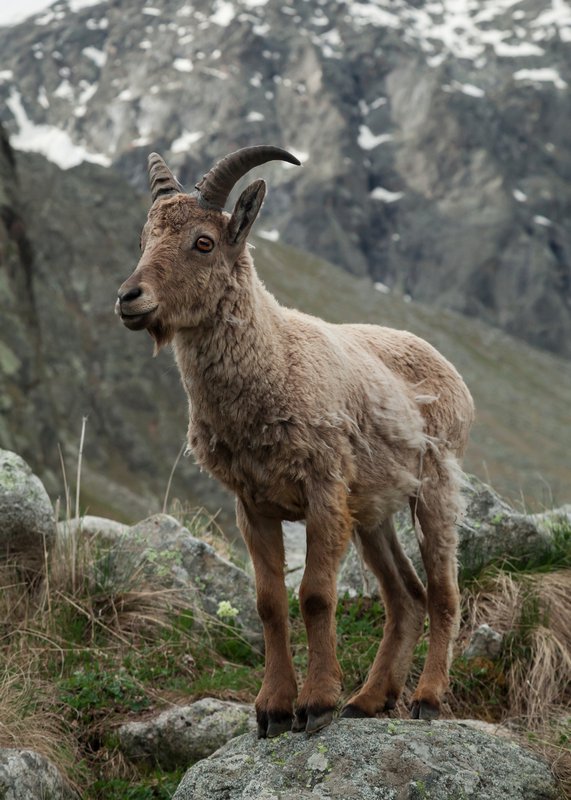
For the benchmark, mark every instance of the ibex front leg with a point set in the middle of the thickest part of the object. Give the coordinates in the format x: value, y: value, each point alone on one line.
x: 274, y: 703
x: 329, y: 528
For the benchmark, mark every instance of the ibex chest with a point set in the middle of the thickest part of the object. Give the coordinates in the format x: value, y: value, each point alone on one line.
x: 257, y: 472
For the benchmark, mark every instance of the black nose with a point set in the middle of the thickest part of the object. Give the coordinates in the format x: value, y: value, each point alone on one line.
x: 131, y: 294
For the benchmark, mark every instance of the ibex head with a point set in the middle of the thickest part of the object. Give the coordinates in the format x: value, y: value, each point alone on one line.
x: 190, y: 245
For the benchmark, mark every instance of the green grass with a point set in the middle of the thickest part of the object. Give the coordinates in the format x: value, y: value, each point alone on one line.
x: 157, y: 786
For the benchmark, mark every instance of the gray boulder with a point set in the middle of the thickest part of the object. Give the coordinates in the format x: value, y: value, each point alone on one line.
x: 490, y: 530
x: 105, y: 530
x: 185, y: 734
x: 169, y: 555
x: 372, y: 759
x: 27, y: 522
x: 485, y: 642
x: 25, y: 775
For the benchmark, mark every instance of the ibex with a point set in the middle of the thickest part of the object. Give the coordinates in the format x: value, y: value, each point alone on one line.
x: 337, y: 425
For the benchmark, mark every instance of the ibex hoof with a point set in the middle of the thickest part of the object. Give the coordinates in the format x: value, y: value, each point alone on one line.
x: 351, y: 711
x: 271, y: 725
x: 422, y: 710
x: 317, y: 721
x: 299, y: 721
x: 313, y: 720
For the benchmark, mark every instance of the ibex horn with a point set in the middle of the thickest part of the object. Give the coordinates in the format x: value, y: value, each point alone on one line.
x: 163, y: 182
x: 216, y: 185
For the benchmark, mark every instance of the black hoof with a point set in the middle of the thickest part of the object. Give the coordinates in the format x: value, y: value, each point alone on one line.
x: 311, y: 720
x: 422, y: 710
x: 316, y: 720
x: 353, y: 712
x: 390, y: 703
x: 277, y: 724
x: 262, y: 718
x: 272, y: 724
x: 299, y: 720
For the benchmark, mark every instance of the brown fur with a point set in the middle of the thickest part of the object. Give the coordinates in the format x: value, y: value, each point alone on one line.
x: 339, y: 425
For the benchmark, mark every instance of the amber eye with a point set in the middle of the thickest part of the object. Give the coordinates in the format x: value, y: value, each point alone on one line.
x: 204, y: 244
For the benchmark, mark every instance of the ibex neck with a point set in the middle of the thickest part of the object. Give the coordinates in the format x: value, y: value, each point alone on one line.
x: 229, y: 364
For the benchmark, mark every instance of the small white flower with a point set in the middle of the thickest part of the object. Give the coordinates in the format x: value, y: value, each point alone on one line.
x: 226, y: 610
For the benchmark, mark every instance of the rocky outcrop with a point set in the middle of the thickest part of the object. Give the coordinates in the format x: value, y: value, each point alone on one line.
x: 185, y: 734
x: 193, y: 566
x: 162, y: 549
x: 27, y: 412
x: 25, y: 775
x: 484, y: 642
x: 366, y: 759
x: 435, y: 159
x: 57, y: 365
x: 27, y: 522
x: 105, y: 531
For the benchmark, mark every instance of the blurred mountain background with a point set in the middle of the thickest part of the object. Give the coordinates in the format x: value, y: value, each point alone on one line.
x: 435, y: 196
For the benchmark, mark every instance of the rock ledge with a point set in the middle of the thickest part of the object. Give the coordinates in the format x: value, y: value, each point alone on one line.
x: 374, y: 759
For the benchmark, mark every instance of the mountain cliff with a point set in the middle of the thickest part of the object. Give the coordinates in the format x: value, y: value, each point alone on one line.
x: 68, y: 238
x: 433, y: 134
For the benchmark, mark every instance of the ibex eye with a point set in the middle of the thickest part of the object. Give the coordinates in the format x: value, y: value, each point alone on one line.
x: 204, y: 244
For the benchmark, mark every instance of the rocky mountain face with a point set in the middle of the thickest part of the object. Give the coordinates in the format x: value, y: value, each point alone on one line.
x: 433, y: 134
x: 23, y: 371
x: 67, y: 240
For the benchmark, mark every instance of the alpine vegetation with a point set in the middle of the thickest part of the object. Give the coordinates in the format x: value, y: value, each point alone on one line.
x: 338, y: 425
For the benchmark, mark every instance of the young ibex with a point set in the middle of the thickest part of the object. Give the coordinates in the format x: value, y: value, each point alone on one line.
x: 339, y: 425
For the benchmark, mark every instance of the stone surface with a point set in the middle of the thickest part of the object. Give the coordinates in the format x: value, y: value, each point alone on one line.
x: 27, y: 523
x: 172, y: 556
x: 185, y: 734
x: 485, y: 642
x: 25, y: 775
x: 104, y: 530
x: 372, y: 759
x: 295, y: 548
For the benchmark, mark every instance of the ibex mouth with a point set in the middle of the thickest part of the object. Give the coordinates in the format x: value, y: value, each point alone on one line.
x: 137, y: 321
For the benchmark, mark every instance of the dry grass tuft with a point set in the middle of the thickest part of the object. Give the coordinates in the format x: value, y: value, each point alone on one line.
x: 92, y: 600
x: 533, y: 610
x: 109, y: 585
x: 29, y: 718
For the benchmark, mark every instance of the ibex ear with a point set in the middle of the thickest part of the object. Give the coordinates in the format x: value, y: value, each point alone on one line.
x: 245, y: 212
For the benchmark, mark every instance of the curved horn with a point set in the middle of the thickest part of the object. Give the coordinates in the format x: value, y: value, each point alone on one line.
x: 163, y: 182
x: 216, y: 185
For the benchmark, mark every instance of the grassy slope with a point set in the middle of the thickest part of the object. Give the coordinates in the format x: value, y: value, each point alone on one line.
x: 522, y: 438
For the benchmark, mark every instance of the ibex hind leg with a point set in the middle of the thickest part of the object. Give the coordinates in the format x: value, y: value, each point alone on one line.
x: 405, y: 605
x: 436, y: 512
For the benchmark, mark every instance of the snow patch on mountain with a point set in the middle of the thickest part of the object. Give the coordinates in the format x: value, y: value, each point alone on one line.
x: 98, y: 57
x: 54, y: 143
x: 385, y: 195
x: 541, y: 75
x: 184, y: 142
x: 367, y: 140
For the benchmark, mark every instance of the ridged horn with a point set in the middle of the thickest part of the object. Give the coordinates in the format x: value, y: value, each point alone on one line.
x: 216, y: 185
x: 161, y: 179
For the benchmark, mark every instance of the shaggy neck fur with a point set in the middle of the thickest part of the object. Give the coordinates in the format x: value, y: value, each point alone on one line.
x: 227, y: 367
